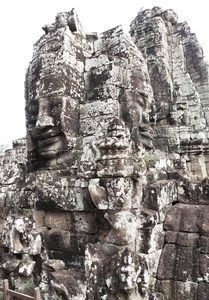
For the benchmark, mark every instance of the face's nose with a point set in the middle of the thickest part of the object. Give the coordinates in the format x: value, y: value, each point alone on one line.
x: 44, y: 120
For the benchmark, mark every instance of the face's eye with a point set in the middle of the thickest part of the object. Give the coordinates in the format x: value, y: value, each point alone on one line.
x: 56, y: 108
x: 32, y: 109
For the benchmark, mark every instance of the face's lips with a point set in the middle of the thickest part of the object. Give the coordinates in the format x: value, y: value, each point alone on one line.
x: 48, y: 141
x: 43, y: 135
x: 49, y: 147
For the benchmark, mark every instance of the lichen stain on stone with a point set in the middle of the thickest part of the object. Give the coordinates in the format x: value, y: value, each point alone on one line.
x: 107, y: 197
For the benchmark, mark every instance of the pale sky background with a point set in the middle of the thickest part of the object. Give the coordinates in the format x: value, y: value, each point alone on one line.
x: 21, y: 24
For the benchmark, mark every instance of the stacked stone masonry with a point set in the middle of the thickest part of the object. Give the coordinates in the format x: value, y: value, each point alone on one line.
x: 108, y: 196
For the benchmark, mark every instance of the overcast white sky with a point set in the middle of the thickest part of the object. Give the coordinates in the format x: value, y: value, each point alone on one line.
x: 21, y: 26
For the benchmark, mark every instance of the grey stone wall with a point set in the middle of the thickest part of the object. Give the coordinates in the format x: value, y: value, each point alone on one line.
x: 107, y: 198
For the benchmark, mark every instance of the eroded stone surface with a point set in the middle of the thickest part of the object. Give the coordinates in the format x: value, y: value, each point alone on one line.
x: 107, y: 198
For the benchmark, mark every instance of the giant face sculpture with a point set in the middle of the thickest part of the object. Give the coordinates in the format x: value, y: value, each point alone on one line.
x: 45, y: 126
x: 54, y: 87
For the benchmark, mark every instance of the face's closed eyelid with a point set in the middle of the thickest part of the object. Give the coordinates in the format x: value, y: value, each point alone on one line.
x: 32, y: 110
x: 56, y: 107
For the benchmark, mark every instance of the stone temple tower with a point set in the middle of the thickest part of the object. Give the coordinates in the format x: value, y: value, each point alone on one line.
x: 108, y: 196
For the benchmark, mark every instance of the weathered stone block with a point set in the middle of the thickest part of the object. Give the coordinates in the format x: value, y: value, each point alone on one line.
x: 99, y: 189
x: 179, y: 218
x: 56, y: 220
x: 69, y: 283
x: 173, y: 219
x: 176, y: 290
x: 53, y: 265
x: 83, y: 222
x: 189, y: 224
x: 60, y: 192
x: 19, y: 284
x: 204, y: 244
x: 166, y: 287
x: 204, y: 220
x: 58, y: 240
x: 70, y: 250
x: 166, y: 268
x: 186, y: 264
x: 153, y: 259
x: 99, y: 108
x: 182, y: 238
x: 90, y: 126
x: 204, y: 267
x: 121, y: 167
x: 203, y: 291
x: 179, y: 263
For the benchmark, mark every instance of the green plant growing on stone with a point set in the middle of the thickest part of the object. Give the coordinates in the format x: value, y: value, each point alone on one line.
x: 150, y: 161
x: 26, y: 214
x: 152, y: 284
x: 152, y: 280
x: 129, y: 294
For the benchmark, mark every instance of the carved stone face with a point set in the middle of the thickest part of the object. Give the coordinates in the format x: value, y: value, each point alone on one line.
x: 45, y: 126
